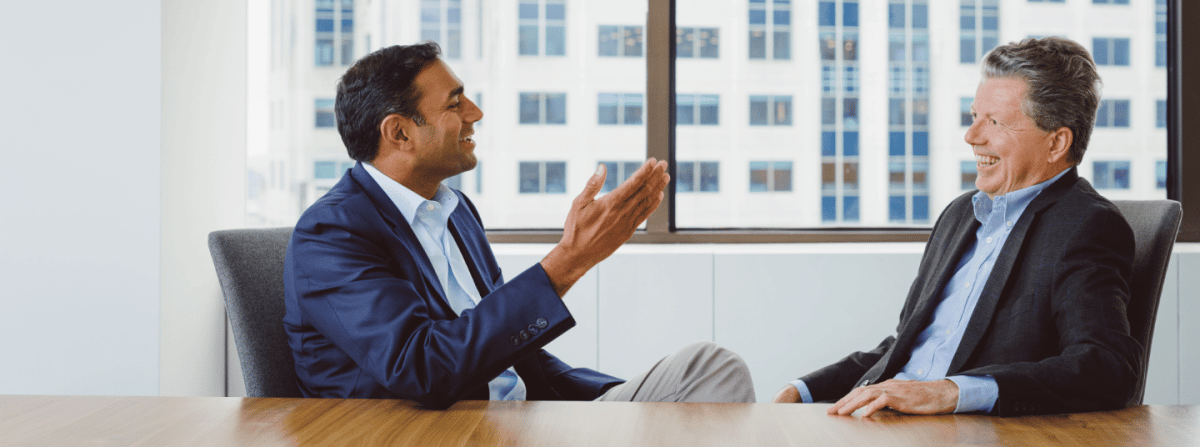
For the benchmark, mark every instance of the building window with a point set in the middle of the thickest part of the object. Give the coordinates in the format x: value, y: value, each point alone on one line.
x: 1113, y: 113
x: 334, y: 36
x: 771, y: 28
x: 542, y: 27
x: 620, y: 41
x: 979, y: 28
x: 456, y: 181
x: 617, y: 172
x: 697, y: 42
x: 965, y: 118
x: 543, y: 108
x: 697, y: 176
x: 324, y: 114
x: 619, y: 108
x: 704, y: 110
x: 1160, y: 174
x: 328, y: 170
x: 543, y: 177
x: 969, y: 171
x: 1111, y: 51
x: 1160, y: 120
x: 1111, y: 174
x: 771, y: 110
x: 1111, y: 2
x: 770, y: 176
x: 837, y: 37
x: 441, y: 22
x: 908, y: 111
x: 1160, y: 33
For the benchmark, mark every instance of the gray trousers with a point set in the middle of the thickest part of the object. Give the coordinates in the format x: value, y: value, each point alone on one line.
x: 700, y: 372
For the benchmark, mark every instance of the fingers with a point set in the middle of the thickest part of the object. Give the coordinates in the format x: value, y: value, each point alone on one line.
x: 648, y: 177
x: 876, y: 404
x: 592, y: 187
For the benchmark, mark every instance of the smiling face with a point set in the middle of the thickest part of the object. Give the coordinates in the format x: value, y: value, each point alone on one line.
x: 444, y: 147
x: 1011, y: 153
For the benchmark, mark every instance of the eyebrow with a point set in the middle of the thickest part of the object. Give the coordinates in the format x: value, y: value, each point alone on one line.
x: 457, y: 91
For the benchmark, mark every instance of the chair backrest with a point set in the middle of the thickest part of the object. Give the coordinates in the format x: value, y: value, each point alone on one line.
x: 1155, y: 224
x: 250, y: 267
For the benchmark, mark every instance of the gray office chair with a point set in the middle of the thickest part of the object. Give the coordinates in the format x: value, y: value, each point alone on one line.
x: 250, y: 267
x: 1155, y: 224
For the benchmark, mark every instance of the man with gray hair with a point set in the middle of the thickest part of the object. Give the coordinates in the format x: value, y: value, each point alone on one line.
x: 1019, y: 306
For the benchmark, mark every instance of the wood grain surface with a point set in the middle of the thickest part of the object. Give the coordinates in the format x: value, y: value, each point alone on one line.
x: 206, y: 421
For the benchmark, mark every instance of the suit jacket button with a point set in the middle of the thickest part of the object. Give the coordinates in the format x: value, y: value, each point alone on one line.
x: 533, y: 330
x: 524, y: 335
x: 515, y: 340
x: 865, y: 382
x: 542, y: 323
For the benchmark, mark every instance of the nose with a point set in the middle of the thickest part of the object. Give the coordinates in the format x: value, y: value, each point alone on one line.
x: 974, y: 136
x: 472, y: 113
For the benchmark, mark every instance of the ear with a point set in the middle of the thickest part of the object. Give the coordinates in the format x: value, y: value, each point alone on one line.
x: 1060, y: 145
x: 395, y: 131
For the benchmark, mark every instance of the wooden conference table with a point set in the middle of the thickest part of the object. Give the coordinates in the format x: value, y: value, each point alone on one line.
x: 155, y: 421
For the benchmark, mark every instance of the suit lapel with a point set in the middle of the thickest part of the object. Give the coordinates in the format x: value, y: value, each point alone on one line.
x: 471, y: 253
x: 403, y: 232
x: 981, y: 318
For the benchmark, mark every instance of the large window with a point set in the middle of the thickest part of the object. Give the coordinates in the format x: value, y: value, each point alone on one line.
x: 833, y: 115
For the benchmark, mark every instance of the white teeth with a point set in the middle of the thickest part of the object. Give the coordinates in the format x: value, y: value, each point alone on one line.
x: 466, y: 139
x: 986, y: 160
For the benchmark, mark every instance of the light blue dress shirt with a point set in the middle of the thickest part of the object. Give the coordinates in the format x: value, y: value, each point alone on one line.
x: 428, y: 220
x: 934, y: 347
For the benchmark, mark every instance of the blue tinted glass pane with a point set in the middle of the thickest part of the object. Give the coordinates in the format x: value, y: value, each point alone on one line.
x: 709, y: 43
x: 528, y: 44
x: 556, y: 108
x: 828, y: 145
x: 896, y: 15
x: 920, y: 17
x: 850, y: 113
x: 347, y: 25
x: 325, y: 25
x: 783, y: 45
x: 556, y: 177
x: 1161, y: 114
x: 966, y: 50
x: 989, y: 43
x: 1120, y: 52
x: 453, y: 15
x: 633, y: 114
x: 783, y: 111
x: 530, y: 108
x: 1160, y: 173
x: 758, y: 17
x: 967, y: 120
x: 556, y: 40
x: 758, y: 110
x: 896, y: 111
x: 828, y: 209
x: 709, y: 176
x: 431, y: 35
x: 920, y: 49
x: 758, y: 176
x: 850, y: 14
x: 528, y: 11
x: 530, y: 177
x: 991, y: 23
x: 685, y: 42
x: 611, y: 175
x: 324, y: 53
x: 1160, y: 54
x: 920, y: 144
x: 1102, y: 114
x: 556, y: 11
x: 1100, y: 51
x: 686, y: 175
x: 1121, y: 175
x: 324, y: 170
x: 709, y: 110
x: 758, y: 44
x: 1100, y: 175
x: 607, y: 113
x: 825, y: 14
x: 1121, y: 113
x: 828, y: 111
x: 782, y: 17
x: 608, y: 38
x: 850, y: 208
x: 850, y: 144
x: 896, y: 144
x: 896, y: 211
x: 920, y: 208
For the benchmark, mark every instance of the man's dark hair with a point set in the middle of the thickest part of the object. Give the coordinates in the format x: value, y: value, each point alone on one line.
x: 1063, y: 86
x: 378, y: 85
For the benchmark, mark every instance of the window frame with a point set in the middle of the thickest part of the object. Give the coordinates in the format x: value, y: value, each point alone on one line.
x: 660, y: 138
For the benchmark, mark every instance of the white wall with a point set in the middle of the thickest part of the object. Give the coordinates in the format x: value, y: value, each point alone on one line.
x: 80, y: 231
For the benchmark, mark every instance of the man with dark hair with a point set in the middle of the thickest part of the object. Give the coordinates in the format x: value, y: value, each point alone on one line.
x: 392, y: 290
x: 1019, y: 303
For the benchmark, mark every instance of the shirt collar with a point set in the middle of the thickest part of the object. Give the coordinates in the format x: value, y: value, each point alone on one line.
x: 408, y: 201
x: 1013, y: 204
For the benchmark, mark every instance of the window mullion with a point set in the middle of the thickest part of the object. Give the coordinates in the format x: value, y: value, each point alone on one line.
x: 660, y: 104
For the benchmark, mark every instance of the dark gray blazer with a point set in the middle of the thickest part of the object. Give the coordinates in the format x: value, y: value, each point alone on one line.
x: 1050, y: 326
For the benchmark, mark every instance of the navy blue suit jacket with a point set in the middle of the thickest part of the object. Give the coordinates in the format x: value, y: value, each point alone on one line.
x: 367, y: 316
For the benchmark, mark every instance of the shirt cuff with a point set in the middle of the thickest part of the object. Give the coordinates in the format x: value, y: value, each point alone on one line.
x: 975, y: 393
x: 805, y: 395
